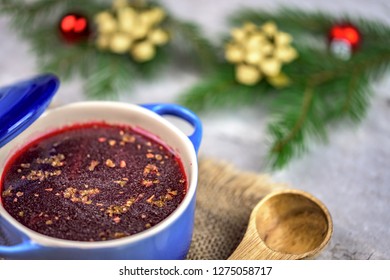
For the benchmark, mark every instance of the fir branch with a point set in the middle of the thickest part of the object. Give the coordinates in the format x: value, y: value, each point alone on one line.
x: 221, y: 90
x: 26, y: 16
x: 149, y: 69
x: 333, y: 88
x: 299, y: 123
x: 297, y: 118
x: 323, y: 89
x: 188, y: 40
x: 356, y: 97
x: 304, y: 114
x: 68, y: 62
x: 37, y: 21
x: 109, y: 76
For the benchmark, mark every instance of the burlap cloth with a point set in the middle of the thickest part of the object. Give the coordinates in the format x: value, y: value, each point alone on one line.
x: 224, y: 202
x: 225, y: 199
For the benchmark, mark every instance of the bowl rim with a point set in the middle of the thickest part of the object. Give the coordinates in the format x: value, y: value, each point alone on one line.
x: 49, y: 241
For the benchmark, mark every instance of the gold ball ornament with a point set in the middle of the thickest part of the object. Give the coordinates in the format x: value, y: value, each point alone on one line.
x: 255, y: 42
x: 156, y: 15
x: 260, y: 51
x: 270, y: 67
x: 119, y: 4
x: 285, y: 54
x: 103, y: 16
x: 103, y: 41
x: 254, y: 57
x: 249, y: 27
x: 151, y: 17
x: 140, y: 31
x: 269, y: 28
x: 283, y: 38
x: 145, y: 18
x: 158, y: 37
x: 234, y: 54
x: 247, y: 74
x: 267, y: 48
x: 143, y: 51
x: 238, y: 34
x: 105, y: 22
x: 131, y: 29
x: 120, y: 43
x: 279, y: 81
x: 127, y: 17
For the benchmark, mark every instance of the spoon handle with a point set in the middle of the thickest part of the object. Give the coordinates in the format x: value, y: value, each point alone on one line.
x: 253, y: 248
x: 249, y: 248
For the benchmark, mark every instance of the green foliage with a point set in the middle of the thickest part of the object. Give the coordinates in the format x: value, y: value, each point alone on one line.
x: 187, y: 40
x: 221, y: 90
x: 323, y: 89
x: 105, y: 74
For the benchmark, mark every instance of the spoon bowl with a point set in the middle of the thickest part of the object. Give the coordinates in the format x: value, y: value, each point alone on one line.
x: 287, y: 224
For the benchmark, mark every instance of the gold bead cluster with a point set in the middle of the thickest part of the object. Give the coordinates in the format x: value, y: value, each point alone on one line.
x: 133, y: 30
x: 260, y: 52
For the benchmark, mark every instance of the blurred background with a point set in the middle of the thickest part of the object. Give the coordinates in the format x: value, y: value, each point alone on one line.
x: 350, y: 174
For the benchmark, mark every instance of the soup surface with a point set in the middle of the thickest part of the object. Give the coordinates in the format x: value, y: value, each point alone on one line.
x: 93, y: 182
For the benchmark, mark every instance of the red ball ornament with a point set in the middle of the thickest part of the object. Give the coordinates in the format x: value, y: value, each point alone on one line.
x: 74, y: 27
x: 344, y: 39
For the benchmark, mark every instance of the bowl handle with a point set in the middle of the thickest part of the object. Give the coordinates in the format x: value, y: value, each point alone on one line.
x: 17, y: 251
x: 181, y: 112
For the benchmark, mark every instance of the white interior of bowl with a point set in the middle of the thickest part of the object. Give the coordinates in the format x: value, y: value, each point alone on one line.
x: 114, y: 113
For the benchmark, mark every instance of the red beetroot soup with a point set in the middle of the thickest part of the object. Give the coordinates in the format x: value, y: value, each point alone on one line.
x: 93, y: 182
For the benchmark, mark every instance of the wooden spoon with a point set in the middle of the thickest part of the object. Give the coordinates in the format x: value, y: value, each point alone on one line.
x: 286, y: 225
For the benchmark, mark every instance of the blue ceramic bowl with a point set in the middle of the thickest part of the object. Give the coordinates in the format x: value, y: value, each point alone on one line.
x: 169, y: 239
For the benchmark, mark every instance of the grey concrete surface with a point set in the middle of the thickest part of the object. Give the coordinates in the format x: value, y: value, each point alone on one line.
x: 350, y: 174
